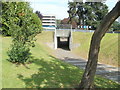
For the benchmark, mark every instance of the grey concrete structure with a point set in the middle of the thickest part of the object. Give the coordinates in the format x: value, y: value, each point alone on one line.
x: 65, y: 35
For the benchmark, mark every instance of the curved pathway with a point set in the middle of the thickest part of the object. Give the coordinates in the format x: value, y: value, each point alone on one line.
x: 107, y: 71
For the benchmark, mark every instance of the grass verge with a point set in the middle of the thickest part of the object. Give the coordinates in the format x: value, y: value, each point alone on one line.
x: 44, y: 72
x: 109, y: 47
x: 0, y: 61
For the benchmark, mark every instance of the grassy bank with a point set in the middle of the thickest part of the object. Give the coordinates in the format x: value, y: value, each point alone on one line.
x: 109, y: 47
x: 0, y: 62
x: 45, y: 71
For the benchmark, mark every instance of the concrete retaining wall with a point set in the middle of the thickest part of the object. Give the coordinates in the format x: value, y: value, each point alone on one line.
x: 63, y: 34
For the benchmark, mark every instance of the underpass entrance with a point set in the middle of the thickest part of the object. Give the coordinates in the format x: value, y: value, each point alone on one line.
x: 63, y: 43
x: 63, y: 39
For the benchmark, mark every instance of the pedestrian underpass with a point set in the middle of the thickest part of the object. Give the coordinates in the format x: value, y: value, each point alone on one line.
x: 63, y: 39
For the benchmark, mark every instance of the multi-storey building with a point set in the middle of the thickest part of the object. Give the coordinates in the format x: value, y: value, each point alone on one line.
x: 49, y: 22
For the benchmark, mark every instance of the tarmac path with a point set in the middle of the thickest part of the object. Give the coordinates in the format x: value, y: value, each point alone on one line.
x: 104, y: 70
x: 107, y: 71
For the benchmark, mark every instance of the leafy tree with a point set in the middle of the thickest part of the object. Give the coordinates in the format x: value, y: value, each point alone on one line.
x: 116, y: 26
x: 88, y: 13
x: 39, y: 14
x: 5, y: 13
x: 87, y: 82
x: 23, y: 25
x: 58, y: 22
x: 72, y: 11
x: 99, y: 10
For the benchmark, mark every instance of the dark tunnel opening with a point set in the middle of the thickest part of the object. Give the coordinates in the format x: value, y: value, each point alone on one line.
x: 63, y: 43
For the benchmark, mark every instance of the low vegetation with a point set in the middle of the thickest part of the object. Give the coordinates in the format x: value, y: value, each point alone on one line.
x: 19, y: 21
x: 0, y: 62
x: 109, y: 47
x: 43, y: 71
x: 109, y: 53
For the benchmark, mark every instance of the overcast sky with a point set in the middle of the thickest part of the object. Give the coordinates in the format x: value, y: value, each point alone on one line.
x: 58, y: 7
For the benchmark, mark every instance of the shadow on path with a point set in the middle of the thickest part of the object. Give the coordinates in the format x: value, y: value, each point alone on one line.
x: 104, y: 70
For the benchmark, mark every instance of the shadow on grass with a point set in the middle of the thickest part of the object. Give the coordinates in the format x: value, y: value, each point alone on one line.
x: 52, y: 73
x: 101, y: 80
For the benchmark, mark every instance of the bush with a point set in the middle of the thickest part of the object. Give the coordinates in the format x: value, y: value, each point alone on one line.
x: 19, y: 53
x: 23, y: 26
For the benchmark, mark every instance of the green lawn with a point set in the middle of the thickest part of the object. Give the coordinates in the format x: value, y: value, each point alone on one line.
x: 45, y: 71
x: 109, y: 47
x: 0, y: 62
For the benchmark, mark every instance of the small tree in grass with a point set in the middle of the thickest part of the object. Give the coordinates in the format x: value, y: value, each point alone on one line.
x: 24, y: 25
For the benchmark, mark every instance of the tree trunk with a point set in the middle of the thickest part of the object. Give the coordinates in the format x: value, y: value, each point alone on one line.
x: 87, y: 81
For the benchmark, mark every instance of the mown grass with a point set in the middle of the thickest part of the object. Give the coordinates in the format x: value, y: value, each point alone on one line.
x: 44, y: 72
x: 0, y: 62
x: 109, y: 47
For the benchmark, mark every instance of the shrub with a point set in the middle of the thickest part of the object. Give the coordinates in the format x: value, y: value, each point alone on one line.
x: 23, y: 26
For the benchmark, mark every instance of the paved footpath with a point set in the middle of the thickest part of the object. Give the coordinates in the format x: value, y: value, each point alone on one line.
x: 104, y: 70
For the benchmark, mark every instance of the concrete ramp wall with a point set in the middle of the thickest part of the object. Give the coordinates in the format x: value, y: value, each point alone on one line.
x: 58, y: 34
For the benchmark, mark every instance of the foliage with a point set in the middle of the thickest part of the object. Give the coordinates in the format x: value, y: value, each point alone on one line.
x: 46, y: 71
x: 72, y: 10
x: 5, y: 13
x: 19, y: 53
x: 39, y: 14
x: 116, y: 26
x: 88, y: 13
x: 23, y: 25
x: 90, y: 70
x: 108, y: 52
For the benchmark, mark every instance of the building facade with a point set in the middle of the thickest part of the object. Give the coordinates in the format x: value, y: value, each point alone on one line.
x: 49, y: 22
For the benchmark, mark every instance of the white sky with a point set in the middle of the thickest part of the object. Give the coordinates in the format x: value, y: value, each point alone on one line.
x: 58, y: 7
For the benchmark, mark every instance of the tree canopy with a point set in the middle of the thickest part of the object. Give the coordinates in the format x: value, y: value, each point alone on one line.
x: 19, y: 21
x: 115, y: 26
x: 88, y: 13
x: 14, y: 12
x: 39, y: 14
